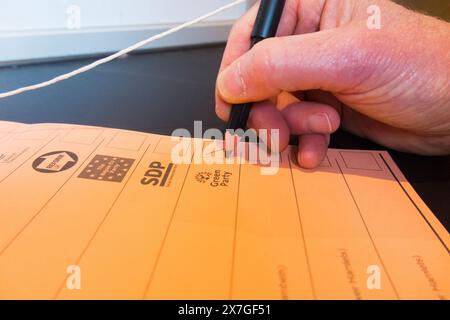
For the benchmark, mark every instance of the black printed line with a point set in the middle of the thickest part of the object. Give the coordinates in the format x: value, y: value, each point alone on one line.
x: 141, y: 135
x: 33, y: 155
x: 9, y: 134
x: 157, y: 145
x: 415, y: 205
x: 356, y: 168
x: 166, y: 175
x: 105, y: 217
x: 152, y: 273
x: 47, y: 202
x: 302, y: 231
x: 368, y: 232
x: 233, y: 257
x: 81, y: 143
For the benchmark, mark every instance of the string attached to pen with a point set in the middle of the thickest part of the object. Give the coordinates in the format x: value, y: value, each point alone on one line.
x: 119, y: 53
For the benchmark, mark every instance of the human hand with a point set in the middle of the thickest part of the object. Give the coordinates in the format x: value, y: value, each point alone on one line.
x: 390, y: 85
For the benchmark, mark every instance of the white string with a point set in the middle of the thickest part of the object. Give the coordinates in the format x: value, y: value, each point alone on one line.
x: 120, y: 53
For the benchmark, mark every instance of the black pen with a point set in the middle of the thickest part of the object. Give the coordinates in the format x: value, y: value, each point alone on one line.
x: 266, y: 26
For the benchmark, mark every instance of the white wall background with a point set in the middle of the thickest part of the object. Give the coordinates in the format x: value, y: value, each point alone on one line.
x: 37, y: 29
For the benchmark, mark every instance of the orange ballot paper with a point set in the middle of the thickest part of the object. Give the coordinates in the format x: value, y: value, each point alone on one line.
x: 97, y: 213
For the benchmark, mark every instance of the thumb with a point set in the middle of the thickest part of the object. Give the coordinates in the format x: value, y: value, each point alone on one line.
x: 332, y: 60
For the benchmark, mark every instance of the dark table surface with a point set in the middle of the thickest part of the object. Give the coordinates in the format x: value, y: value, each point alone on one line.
x: 161, y: 91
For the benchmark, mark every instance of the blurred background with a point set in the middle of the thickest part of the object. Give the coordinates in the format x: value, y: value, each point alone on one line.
x: 44, y: 29
x: 49, y: 29
x: 437, y: 8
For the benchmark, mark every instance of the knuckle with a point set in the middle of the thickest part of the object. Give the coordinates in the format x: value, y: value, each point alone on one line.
x: 264, y: 58
x: 364, y: 55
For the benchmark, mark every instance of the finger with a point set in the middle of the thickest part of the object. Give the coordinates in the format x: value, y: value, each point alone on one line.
x: 310, y: 12
x: 390, y: 136
x: 223, y: 108
x: 295, y: 63
x: 265, y: 115
x: 239, y: 42
x: 312, y: 150
x: 310, y: 117
x: 240, y: 36
x: 324, y: 97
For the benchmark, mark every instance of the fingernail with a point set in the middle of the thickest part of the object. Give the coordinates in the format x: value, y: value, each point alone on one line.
x: 230, y: 83
x: 223, y: 111
x: 320, y: 123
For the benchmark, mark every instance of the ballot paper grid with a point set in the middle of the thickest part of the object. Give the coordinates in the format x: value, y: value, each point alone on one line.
x: 112, y: 205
